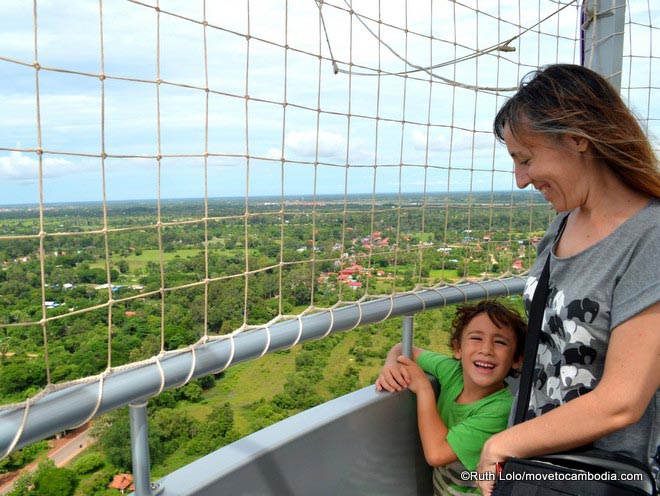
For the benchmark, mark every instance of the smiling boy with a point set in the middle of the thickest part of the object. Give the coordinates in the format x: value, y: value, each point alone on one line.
x: 475, y: 402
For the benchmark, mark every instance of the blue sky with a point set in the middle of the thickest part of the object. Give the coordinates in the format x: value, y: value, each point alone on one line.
x: 78, y: 120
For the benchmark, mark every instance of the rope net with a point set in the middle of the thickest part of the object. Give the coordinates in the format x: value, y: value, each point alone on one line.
x: 179, y: 172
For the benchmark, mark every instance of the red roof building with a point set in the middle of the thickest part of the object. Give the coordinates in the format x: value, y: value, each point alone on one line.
x: 122, y: 482
x: 352, y: 270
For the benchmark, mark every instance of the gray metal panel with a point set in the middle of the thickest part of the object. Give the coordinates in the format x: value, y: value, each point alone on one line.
x: 603, y: 38
x: 68, y: 408
x: 365, y: 443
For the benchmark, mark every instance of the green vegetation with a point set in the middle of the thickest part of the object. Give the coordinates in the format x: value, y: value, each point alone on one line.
x: 48, y: 480
x: 248, y: 397
x: 22, y: 457
x: 319, y: 253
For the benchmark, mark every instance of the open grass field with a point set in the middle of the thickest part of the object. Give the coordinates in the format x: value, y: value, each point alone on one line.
x: 137, y: 262
x: 446, y: 274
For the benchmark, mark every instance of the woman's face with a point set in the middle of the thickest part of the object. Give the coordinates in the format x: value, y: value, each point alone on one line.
x: 551, y: 165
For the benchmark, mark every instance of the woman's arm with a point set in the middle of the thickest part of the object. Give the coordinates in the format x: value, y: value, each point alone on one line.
x: 393, y: 377
x: 630, y: 379
x: 432, y: 430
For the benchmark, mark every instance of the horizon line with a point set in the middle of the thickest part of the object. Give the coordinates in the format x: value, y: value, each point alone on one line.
x: 293, y: 196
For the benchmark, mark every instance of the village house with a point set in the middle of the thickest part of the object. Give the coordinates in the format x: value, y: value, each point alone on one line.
x: 350, y: 271
x: 122, y: 482
x: 374, y: 241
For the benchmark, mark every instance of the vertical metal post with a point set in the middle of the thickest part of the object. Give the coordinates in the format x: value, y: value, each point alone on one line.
x: 137, y: 415
x: 407, y: 336
x: 602, y: 43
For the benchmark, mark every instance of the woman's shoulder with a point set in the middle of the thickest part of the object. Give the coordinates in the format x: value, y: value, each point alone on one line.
x: 644, y: 224
x: 552, y: 231
x: 651, y: 212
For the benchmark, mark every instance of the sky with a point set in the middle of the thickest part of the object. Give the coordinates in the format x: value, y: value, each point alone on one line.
x: 75, y: 115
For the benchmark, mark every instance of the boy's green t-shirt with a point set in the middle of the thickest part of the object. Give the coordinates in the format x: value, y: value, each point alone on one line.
x: 469, y: 425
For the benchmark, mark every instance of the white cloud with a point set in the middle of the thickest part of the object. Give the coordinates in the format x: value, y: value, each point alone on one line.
x: 436, y: 141
x: 18, y: 166
x: 274, y: 153
x: 70, y: 105
x: 443, y: 141
x: 304, y: 143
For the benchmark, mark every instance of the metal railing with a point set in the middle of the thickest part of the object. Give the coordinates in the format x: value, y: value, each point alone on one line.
x: 70, y: 407
x: 74, y: 405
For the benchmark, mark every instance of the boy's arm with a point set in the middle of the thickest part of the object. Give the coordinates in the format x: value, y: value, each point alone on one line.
x: 630, y: 379
x: 393, y: 377
x: 432, y: 430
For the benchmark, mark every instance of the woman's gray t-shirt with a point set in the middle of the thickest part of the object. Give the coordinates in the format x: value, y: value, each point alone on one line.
x: 589, y: 295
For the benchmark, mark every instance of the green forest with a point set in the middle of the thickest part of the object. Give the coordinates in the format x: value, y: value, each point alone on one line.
x: 260, y: 259
x: 211, y: 412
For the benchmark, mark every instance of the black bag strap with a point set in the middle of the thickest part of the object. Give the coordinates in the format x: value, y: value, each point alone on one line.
x: 534, y: 324
x: 586, y: 457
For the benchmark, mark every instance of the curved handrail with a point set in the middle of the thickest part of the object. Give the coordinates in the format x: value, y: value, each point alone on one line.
x: 69, y: 407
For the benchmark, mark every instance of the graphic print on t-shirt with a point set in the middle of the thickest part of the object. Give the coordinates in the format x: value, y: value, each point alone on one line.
x: 565, y: 354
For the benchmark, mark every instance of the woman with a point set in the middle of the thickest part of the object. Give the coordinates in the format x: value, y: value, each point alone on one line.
x: 597, y: 369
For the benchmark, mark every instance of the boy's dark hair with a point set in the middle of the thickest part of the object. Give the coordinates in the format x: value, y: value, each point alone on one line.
x: 500, y: 314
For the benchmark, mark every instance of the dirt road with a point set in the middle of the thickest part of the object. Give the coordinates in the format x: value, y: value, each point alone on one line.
x: 63, y: 451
